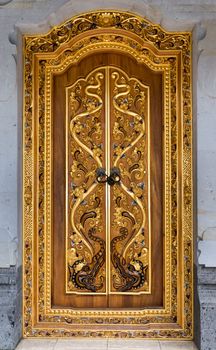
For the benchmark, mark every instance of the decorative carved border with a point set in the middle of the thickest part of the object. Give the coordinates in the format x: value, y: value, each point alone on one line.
x: 54, y: 68
x: 47, y: 54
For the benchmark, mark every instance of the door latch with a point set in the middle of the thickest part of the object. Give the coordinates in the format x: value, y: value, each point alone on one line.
x: 112, y: 179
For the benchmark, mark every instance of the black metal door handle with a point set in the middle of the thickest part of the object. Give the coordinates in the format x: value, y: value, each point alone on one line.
x: 112, y: 179
x: 101, y: 175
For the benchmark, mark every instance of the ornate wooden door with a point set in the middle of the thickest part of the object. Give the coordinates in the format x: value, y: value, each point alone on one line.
x: 107, y: 180
x: 108, y: 184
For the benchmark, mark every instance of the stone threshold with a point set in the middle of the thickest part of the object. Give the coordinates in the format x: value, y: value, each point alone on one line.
x: 103, y: 344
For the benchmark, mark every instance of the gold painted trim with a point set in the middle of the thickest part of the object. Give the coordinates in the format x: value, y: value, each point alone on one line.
x: 57, y: 69
x: 107, y: 142
x: 107, y: 312
x: 80, y: 199
x: 108, y: 101
x: 157, y: 48
x: 148, y: 290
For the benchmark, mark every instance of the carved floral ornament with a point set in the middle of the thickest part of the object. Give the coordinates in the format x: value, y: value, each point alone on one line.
x: 129, y: 251
x: 51, y: 53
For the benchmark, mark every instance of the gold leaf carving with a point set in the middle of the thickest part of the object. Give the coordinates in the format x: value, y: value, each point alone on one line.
x: 159, y: 50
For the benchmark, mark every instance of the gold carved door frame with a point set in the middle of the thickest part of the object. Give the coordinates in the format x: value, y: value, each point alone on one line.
x: 49, y: 54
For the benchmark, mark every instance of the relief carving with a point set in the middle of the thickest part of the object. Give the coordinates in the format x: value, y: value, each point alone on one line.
x: 158, y: 49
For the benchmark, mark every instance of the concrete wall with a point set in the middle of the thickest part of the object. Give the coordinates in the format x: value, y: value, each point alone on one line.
x: 206, y: 145
x: 37, y: 16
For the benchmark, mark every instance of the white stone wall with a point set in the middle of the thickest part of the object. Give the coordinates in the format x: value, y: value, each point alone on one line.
x: 38, y: 16
x: 206, y: 137
x: 11, y: 13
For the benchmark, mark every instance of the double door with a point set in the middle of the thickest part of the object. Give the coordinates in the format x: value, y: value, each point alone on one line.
x: 107, y: 187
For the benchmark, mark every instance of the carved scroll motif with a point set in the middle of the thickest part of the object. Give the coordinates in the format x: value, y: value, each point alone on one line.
x: 86, y: 244
x: 130, y: 230
x: 126, y: 137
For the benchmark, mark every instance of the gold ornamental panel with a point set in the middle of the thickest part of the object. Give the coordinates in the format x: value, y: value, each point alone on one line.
x: 86, y: 215
x: 100, y: 260
x: 130, y: 236
x: 126, y: 227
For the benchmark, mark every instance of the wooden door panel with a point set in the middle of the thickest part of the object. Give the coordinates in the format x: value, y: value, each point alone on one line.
x: 103, y: 257
x: 129, y: 232
x: 86, y: 199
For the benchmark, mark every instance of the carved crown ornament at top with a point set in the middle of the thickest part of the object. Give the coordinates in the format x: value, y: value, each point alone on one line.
x: 153, y: 34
